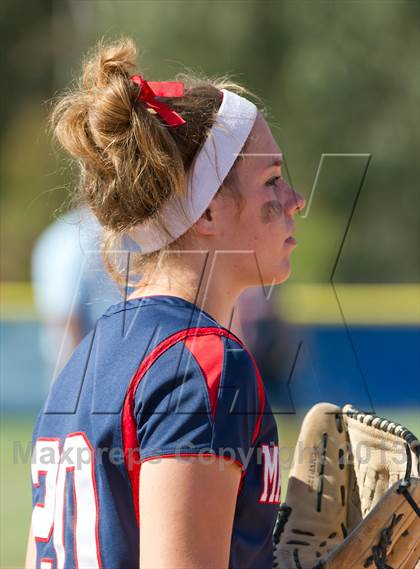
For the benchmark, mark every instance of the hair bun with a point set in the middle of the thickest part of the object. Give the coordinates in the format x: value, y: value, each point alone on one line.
x: 111, y: 60
x: 129, y: 161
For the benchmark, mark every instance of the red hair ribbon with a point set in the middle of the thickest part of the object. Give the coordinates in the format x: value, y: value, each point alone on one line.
x: 150, y: 90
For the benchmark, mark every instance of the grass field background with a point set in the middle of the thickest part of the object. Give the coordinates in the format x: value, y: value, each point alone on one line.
x: 15, y: 492
x: 15, y: 487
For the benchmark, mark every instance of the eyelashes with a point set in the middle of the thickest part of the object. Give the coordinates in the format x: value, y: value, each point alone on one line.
x: 272, y: 181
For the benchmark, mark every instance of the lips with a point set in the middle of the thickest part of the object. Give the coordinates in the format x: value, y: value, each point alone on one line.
x: 291, y: 240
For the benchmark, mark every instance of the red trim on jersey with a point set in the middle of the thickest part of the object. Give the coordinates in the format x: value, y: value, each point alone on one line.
x: 209, y: 355
x: 129, y: 429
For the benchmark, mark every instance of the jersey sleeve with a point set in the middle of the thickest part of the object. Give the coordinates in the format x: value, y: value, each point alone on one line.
x: 201, y: 396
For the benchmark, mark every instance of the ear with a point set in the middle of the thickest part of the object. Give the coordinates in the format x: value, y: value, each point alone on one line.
x: 206, y: 224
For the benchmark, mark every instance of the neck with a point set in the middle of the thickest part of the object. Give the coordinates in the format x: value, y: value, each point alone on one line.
x: 199, y: 280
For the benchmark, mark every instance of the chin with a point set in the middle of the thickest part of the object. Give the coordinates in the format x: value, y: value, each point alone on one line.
x: 271, y: 275
x: 284, y: 273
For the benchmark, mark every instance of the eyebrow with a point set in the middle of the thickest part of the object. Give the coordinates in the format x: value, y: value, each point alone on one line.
x: 277, y: 162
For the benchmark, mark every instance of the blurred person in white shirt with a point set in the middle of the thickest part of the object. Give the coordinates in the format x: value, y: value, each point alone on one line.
x: 71, y: 287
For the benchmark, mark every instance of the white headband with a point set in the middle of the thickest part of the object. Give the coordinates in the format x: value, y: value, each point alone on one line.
x: 234, y: 121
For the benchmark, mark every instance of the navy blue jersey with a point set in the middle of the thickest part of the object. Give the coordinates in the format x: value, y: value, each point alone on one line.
x: 157, y: 377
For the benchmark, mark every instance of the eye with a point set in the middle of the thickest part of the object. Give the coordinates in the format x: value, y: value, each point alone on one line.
x: 272, y: 181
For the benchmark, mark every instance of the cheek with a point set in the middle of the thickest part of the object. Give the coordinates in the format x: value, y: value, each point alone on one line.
x: 271, y: 211
x: 263, y: 221
x: 272, y: 221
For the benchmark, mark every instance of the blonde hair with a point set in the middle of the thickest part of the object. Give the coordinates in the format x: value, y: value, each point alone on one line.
x: 129, y: 160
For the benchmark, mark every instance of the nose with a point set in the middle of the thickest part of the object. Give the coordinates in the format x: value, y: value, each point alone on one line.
x: 296, y: 202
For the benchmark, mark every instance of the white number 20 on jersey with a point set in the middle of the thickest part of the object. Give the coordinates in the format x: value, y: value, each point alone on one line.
x: 48, y: 517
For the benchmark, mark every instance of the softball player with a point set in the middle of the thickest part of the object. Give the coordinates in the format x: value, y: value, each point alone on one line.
x: 157, y: 446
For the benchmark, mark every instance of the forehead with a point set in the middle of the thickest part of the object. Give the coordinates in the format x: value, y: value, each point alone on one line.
x: 261, y: 150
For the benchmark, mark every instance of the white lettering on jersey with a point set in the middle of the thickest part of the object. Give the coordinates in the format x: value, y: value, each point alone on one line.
x: 49, y: 516
x: 271, y: 475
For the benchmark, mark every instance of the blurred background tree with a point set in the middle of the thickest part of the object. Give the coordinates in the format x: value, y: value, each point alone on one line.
x: 336, y: 77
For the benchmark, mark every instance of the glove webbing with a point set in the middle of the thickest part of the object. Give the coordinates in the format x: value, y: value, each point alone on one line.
x: 389, y: 427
